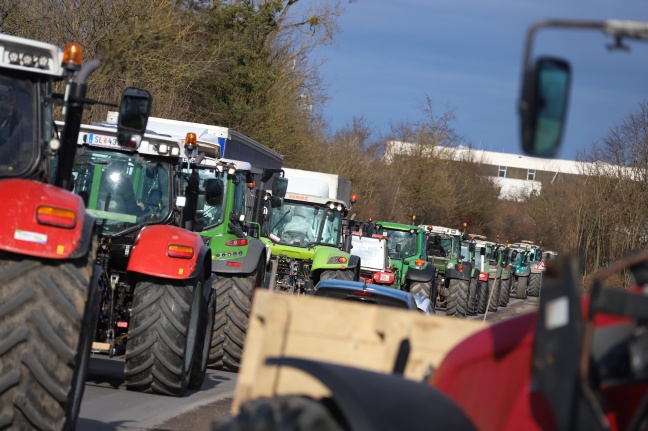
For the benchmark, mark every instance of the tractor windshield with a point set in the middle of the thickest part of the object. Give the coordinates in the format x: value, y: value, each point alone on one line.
x: 18, y: 142
x: 440, y: 245
x: 402, y: 243
x: 121, y: 191
x: 302, y: 225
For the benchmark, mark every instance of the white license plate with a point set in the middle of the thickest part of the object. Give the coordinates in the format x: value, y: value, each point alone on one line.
x: 102, y: 140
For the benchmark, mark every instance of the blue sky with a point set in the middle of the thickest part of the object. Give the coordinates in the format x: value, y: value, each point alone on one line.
x: 466, y: 55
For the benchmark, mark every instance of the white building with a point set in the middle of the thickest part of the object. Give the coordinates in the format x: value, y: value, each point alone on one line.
x: 516, y: 175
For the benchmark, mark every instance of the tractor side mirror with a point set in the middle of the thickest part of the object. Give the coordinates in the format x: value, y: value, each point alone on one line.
x: 482, y: 251
x: 134, y: 111
x: 279, y: 187
x: 214, y: 190
x: 543, y: 106
x: 472, y: 247
x: 276, y: 201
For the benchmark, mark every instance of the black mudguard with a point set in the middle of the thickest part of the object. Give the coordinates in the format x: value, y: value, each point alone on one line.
x: 354, y: 264
x: 375, y: 401
x: 454, y: 273
x: 423, y: 275
x: 86, y: 237
x: 249, y: 263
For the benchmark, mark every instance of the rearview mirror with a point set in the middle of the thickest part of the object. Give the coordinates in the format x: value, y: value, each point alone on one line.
x: 275, y: 201
x: 279, y: 186
x: 543, y: 107
x: 482, y: 251
x: 134, y: 111
x: 472, y: 247
x: 214, y: 189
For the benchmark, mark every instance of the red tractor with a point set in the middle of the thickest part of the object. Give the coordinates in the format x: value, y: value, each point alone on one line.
x: 47, y: 247
x: 578, y: 363
x: 373, y: 252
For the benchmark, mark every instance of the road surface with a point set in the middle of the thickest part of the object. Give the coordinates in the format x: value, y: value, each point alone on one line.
x: 107, y: 405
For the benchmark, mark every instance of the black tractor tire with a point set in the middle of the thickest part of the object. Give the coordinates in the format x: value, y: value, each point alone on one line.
x: 505, y: 292
x: 494, y: 285
x: 457, y: 298
x: 233, y: 305
x: 521, y: 287
x: 341, y: 274
x: 162, y: 335
x: 421, y: 288
x: 482, y: 302
x: 473, y: 296
x: 435, y: 293
x: 535, y: 281
x: 48, y: 311
x: 282, y: 413
x: 203, y: 342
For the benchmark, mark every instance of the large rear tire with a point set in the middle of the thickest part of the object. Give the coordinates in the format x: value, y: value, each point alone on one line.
x: 535, y: 281
x: 494, y: 285
x: 233, y: 305
x: 341, y: 274
x: 48, y: 311
x: 420, y: 288
x: 203, y: 342
x: 473, y: 296
x: 457, y: 298
x: 162, y: 335
x: 482, y: 302
x: 282, y: 413
x: 505, y: 292
x: 521, y: 285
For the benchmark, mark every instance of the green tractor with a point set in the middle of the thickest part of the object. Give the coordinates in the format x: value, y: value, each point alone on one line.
x: 307, y: 235
x: 497, y: 263
x: 230, y: 203
x: 537, y: 266
x: 483, y: 278
x: 502, y: 255
x: 407, y: 256
x: 454, y: 270
x: 521, y: 271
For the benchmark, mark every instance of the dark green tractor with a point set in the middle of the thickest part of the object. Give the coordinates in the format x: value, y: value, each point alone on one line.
x: 408, y: 256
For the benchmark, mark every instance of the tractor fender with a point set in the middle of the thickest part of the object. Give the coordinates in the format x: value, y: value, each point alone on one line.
x: 86, y: 237
x: 534, y: 267
x: 327, y: 258
x: 455, y: 273
x: 496, y: 274
x: 244, y: 264
x: 425, y: 274
x: 150, y: 253
x: 367, y: 400
x: 22, y: 233
x: 354, y: 264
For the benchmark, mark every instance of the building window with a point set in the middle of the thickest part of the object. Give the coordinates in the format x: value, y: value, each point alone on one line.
x: 531, y: 174
x: 502, y: 172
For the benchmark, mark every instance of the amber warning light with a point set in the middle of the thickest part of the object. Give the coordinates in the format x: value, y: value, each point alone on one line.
x: 72, y: 56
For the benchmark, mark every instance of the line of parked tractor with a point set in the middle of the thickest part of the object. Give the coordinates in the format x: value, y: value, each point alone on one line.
x: 147, y: 237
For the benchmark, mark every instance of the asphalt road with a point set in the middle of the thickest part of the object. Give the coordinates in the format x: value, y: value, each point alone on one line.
x: 107, y: 405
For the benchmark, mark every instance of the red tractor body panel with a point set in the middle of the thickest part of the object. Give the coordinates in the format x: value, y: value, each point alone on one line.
x: 22, y: 233
x: 150, y: 254
x: 489, y: 375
